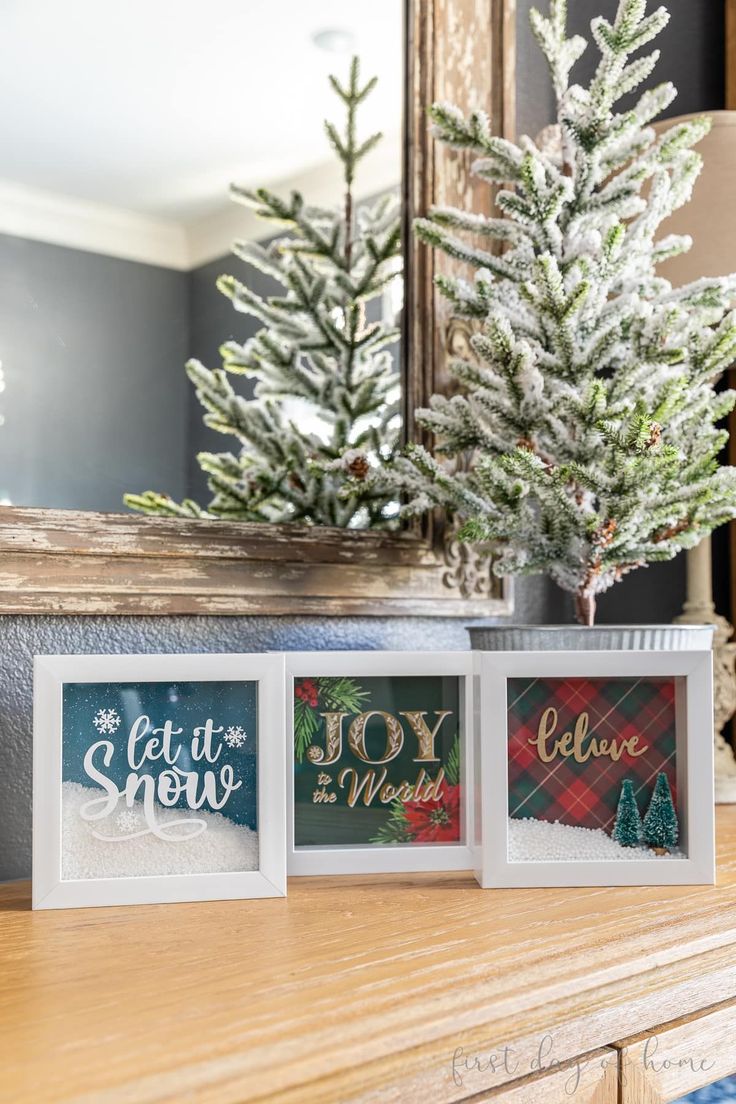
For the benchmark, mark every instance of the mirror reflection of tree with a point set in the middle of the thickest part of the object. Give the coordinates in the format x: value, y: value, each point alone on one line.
x: 115, y: 220
x: 325, y: 406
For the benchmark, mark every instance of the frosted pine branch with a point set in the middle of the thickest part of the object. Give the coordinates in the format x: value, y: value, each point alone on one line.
x: 587, y: 420
x: 316, y: 348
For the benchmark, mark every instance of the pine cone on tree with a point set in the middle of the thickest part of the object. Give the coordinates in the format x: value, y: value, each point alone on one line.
x: 356, y: 463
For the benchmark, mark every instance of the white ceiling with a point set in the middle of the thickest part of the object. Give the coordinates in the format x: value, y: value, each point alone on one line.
x: 154, y: 106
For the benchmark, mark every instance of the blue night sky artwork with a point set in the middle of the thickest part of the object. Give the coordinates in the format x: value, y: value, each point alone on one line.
x: 188, y: 705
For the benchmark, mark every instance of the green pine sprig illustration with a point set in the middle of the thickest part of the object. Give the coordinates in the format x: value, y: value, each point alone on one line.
x: 306, y: 723
x: 342, y: 694
x: 334, y: 694
x: 452, y: 766
x: 396, y: 829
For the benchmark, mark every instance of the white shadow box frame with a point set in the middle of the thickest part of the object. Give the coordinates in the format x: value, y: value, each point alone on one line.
x: 51, y: 674
x: 379, y: 858
x: 692, y: 672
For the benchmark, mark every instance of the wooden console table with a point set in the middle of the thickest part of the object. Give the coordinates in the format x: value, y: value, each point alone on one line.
x: 390, y: 990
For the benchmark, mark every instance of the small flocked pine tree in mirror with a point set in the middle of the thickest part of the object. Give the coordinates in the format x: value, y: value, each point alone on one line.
x: 315, y: 347
x: 588, y: 423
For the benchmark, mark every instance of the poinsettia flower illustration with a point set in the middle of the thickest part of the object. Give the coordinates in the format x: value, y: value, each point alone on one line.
x: 435, y: 821
x: 307, y: 691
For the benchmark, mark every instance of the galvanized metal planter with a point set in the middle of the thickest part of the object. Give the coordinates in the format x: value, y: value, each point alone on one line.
x: 552, y: 638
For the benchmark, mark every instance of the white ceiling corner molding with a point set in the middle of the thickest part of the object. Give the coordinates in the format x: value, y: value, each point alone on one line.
x: 42, y: 216
x: 141, y: 172
x: 211, y: 237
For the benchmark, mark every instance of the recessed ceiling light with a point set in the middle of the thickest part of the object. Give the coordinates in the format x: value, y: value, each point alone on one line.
x: 336, y: 40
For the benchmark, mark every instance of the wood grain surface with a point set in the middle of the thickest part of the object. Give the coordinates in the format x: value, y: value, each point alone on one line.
x: 396, y: 989
x: 680, y: 1057
x: 71, y: 562
x: 592, y: 1079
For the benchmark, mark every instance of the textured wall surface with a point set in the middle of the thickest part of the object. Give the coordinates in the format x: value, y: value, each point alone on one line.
x: 23, y: 637
x: 96, y: 398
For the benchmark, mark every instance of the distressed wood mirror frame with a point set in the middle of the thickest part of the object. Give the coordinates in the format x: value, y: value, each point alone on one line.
x: 730, y: 105
x: 69, y: 562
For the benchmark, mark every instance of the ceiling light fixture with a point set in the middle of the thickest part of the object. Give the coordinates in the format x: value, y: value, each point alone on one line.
x: 335, y: 40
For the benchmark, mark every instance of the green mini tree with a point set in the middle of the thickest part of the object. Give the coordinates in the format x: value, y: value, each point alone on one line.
x: 587, y: 430
x: 627, y: 829
x: 315, y: 347
x: 661, y: 828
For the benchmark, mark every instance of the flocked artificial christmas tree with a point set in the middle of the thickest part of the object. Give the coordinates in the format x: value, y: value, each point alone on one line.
x: 661, y: 829
x: 315, y: 347
x: 627, y: 829
x: 588, y: 426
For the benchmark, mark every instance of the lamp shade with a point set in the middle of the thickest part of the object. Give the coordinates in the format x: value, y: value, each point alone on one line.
x: 710, y: 216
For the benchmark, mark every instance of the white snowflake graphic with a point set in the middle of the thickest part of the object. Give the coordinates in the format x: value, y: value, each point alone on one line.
x: 127, y: 821
x: 106, y: 721
x: 235, y: 736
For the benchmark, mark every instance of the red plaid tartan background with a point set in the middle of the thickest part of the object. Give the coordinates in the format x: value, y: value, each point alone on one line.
x: 587, y: 793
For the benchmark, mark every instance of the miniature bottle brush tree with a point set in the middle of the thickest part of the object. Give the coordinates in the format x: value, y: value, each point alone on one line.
x: 316, y: 347
x: 660, y: 829
x: 589, y: 414
x: 627, y: 829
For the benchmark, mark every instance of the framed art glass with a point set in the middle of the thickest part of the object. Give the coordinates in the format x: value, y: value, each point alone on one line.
x: 595, y: 768
x: 379, y: 761
x: 157, y: 778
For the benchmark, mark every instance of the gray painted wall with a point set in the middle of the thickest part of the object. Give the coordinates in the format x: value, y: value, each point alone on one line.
x: 93, y: 350
x: 86, y: 339
x: 96, y: 399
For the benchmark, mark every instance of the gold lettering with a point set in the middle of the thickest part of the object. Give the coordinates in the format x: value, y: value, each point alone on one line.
x: 394, y: 736
x: 333, y: 740
x: 368, y: 785
x: 434, y: 789
x: 321, y: 795
x: 579, y: 744
x: 581, y: 731
x: 547, y: 725
x: 425, y: 736
x: 372, y: 785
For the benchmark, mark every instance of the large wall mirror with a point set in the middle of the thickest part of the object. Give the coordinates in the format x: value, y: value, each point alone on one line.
x: 116, y: 220
x: 115, y: 223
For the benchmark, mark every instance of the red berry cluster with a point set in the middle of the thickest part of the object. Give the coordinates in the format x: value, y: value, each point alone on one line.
x: 307, y: 691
